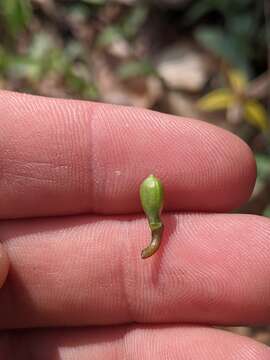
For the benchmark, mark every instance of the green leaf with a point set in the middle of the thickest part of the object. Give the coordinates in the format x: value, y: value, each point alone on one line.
x: 74, y: 50
x: 241, y: 24
x: 109, y: 35
x: 196, y: 11
x: 95, y: 2
x: 134, y: 20
x: 266, y: 211
x: 219, y: 99
x: 79, y: 12
x: 263, y: 166
x: 41, y: 45
x: 226, y: 8
x: 225, y: 45
x: 91, y: 92
x: 78, y: 81
x: 57, y: 61
x: 255, y: 114
x: 135, y: 68
x: 17, y: 14
x: 24, y: 67
x: 4, y: 60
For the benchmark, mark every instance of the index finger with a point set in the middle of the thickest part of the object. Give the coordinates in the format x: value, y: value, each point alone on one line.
x: 67, y: 157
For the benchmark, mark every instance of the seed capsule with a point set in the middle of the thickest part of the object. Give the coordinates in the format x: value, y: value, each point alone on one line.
x: 152, y: 197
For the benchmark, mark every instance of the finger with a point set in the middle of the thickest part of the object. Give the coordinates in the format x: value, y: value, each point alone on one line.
x: 152, y: 342
x: 67, y: 157
x: 4, y: 265
x: 87, y: 270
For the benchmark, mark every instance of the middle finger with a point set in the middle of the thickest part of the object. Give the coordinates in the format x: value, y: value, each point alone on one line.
x: 83, y: 270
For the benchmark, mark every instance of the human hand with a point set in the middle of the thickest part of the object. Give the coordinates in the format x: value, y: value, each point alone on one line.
x: 73, y: 228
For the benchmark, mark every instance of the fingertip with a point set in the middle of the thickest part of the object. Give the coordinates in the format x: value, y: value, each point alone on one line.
x: 244, y: 169
x: 4, y: 265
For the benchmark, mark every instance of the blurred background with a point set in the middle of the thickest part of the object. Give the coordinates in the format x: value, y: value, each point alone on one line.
x: 208, y: 59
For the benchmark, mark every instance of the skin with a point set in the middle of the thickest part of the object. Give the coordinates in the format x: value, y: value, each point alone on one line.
x: 72, y: 225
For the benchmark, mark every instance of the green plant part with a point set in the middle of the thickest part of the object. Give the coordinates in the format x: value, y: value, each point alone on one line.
x: 152, y: 197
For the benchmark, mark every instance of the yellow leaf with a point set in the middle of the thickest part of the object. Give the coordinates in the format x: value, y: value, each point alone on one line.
x: 219, y: 99
x: 238, y: 80
x: 255, y: 114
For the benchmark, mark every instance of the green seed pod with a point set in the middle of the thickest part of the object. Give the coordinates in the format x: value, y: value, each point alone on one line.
x: 152, y: 197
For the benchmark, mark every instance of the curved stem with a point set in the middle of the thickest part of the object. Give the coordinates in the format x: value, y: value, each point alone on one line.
x: 156, y: 232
